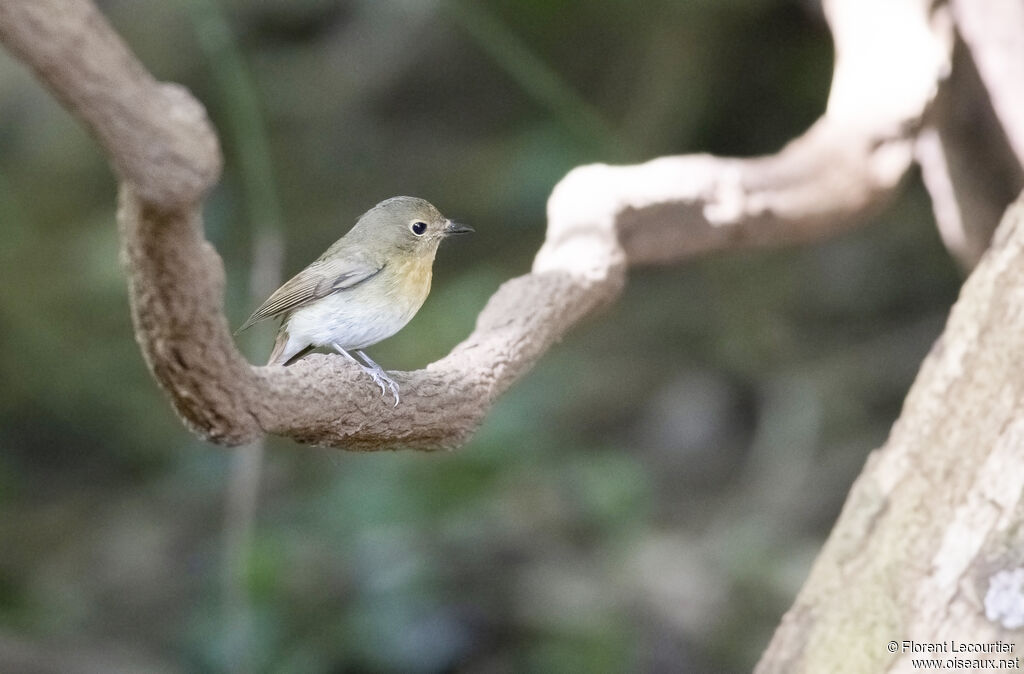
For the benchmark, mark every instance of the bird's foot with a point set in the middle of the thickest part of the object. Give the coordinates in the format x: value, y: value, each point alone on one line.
x: 376, y: 372
x: 381, y: 379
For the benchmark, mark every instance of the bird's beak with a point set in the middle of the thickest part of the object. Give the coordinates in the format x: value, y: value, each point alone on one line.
x: 452, y: 228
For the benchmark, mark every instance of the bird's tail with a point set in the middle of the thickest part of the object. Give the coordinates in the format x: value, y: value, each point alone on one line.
x: 282, y: 354
x: 278, y: 351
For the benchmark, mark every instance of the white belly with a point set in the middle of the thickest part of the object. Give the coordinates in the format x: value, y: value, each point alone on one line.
x: 341, y: 319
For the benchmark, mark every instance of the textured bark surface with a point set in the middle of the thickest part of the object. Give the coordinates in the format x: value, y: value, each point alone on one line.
x: 600, y: 220
x: 931, y: 530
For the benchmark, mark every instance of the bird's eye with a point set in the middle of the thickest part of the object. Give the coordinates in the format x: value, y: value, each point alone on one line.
x: 418, y: 228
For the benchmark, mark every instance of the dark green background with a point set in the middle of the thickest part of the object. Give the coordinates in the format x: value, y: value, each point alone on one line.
x: 649, y: 498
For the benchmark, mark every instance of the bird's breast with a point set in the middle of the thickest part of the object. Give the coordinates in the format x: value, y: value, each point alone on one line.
x: 367, y: 313
x: 411, y: 282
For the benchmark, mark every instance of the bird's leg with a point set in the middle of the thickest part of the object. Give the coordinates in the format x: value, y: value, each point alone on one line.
x: 377, y: 379
x: 379, y: 375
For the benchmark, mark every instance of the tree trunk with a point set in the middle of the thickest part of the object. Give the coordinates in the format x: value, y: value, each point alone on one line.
x: 929, y: 547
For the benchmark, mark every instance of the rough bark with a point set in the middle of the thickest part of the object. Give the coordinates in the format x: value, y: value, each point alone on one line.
x: 929, y: 542
x: 600, y: 219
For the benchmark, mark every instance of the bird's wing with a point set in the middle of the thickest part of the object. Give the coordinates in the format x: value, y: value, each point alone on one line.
x: 318, y: 280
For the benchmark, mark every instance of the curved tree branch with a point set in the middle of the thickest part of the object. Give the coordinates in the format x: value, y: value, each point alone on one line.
x: 600, y: 220
x: 156, y: 135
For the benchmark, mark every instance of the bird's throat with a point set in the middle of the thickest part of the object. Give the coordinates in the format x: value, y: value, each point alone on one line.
x: 413, y: 276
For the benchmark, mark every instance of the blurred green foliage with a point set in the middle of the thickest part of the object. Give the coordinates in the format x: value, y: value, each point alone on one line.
x: 648, y: 499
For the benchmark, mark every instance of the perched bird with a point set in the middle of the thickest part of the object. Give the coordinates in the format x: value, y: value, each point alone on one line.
x: 363, y: 289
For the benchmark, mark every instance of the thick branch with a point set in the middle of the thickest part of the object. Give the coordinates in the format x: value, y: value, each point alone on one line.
x: 157, y: 135
x: 600, y: 219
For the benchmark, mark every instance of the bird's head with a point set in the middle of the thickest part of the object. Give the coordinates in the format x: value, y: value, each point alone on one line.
x: 406, y: 226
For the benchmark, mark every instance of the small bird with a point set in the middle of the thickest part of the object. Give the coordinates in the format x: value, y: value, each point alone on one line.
x: 363, y: 289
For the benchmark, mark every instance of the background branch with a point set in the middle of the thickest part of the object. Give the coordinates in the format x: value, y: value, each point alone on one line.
x: 665, y: 210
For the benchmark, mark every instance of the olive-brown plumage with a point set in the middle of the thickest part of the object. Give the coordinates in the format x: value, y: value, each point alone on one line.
x: 364, y: 288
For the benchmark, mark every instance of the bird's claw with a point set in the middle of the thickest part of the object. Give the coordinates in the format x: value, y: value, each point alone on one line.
x: 376, y: 372
x: 384, y: 382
